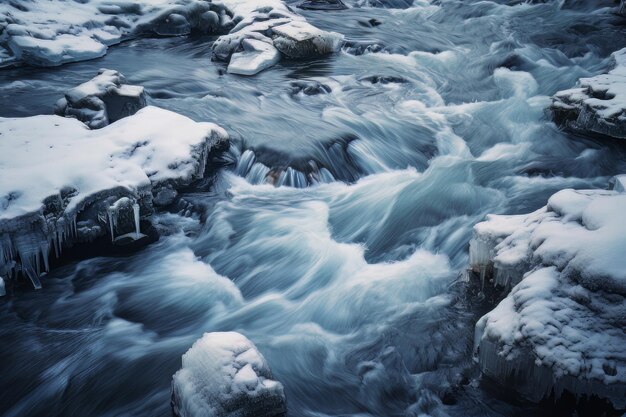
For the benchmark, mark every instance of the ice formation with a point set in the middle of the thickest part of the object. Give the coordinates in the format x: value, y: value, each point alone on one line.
x: 56, y: 32
x: 224, y: 375
x: 562, y: 325
x: 275, y: 30
x: 75, y: 184
x: 102, y: 100
x: 598, y: 104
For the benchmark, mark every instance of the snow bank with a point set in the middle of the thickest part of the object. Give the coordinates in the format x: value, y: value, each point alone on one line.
x: 272, y: 23
x: 60, y: 181
x: 598, y: 104
x: 224, y: 375
x: 562, y: 325
x: 55, y: 32
x: 102, y: 100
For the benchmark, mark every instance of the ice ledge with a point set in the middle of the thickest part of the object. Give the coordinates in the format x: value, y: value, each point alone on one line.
x: 59, y: 180
x: 597, y: 104
x: 561, y: 327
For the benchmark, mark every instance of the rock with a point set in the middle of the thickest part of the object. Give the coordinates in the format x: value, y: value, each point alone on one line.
x: 255, y: 57
x: 224, y: 375
x: 61, y: 182
x: 622, y: 8
x: 173, y: 25
x: 322, y: 5
x: 597, y: 105
x: 561, y: 327
x: 301, y: 40
x: 102, y: 100
x: 309, y: 88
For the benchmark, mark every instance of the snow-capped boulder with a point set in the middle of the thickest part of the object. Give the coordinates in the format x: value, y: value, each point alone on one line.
x: 224, y: 375
x: 561, y: 327
x: 61, y: 182
x: 256, y: 56
x: 102, y: 100
x: 55, y: 32
x: 280, y: 30
x: 597, y: 105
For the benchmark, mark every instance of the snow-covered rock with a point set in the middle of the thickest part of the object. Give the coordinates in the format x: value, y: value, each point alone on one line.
x: 102, y: 100
x: 61, y: 182
x: 54, y: 32
x: 280, y: 30
x: 598, y: 104
x: 322, y: 5
x: 562, y: 325
x: 224, y: 375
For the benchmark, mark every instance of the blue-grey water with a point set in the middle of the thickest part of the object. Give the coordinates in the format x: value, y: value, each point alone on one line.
x: 347, y: 287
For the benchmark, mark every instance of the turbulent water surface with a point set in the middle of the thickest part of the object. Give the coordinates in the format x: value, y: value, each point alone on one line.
x: 347, y: 286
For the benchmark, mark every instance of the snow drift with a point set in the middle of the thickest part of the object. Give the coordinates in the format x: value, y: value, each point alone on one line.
x: 562, y: 325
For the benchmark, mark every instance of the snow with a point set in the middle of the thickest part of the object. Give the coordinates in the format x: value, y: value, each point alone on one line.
x: 55, y: 32
x: 102, y: 100
x: 223, y: 374
x: 597, y: 104
x: 561, y: 326
x: 70, y: 174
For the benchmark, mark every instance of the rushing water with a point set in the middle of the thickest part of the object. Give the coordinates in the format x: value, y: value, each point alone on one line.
x: 347, y: 287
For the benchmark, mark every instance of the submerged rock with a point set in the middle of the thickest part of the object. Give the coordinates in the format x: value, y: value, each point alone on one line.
x: 75, y: 185
x: 561, y: 327
x: 224, y: 375
x: 102, y: 100
x: 597, y: 105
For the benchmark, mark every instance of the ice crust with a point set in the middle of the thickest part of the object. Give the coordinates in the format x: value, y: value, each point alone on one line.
x: 61, y: 182
x: 561, y: 327
x: 224, y: 375
x: 55, y: 32
x: 102, y: 100
x: 597, y: 104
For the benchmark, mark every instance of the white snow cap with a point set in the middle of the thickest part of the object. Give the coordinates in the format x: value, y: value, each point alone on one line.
x: 562, y: 326
x: 224, y: 375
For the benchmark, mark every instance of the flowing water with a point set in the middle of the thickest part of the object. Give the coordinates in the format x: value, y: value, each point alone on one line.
x: 346, y: 275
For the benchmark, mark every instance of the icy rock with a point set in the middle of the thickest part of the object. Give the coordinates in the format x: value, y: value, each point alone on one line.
x: 258, y: 21
x: 622, y: 8
x: 255, y: 57
x: 597, y: 105
x: 322, y: 5
x: 55, y: 32
x: 56, y: 174
x: 224, y: 375
x: 102, y: 100
x: 562, y: 326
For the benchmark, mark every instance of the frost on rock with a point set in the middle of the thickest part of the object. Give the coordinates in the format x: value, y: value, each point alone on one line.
x: 562, y: 325
x: 279, y: 29
x: 598, y: 104
x: 224, y: 375
x: 102, y: 100
x: 61, y: 183
x: 55, y: 32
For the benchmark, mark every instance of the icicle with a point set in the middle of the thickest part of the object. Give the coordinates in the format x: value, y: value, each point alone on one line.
x: 111, y: 225
x: 136, y: 216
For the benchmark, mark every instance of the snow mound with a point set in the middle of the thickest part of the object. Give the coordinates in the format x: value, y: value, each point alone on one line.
x: 224, y: 375
x: 562, y: 325
x: 102, y: 100
x: 275, y: 31
x: 61, y: 182
x: 598, y: 104
x: 55, y: 32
